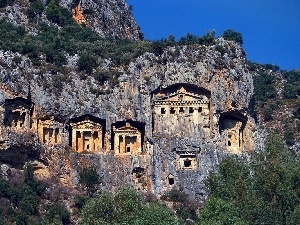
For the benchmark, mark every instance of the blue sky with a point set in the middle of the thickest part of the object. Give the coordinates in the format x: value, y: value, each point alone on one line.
x: 270, y: 28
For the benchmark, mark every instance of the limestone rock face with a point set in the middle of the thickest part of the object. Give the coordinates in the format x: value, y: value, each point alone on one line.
x: 168, y: 122
x: 109, y: 18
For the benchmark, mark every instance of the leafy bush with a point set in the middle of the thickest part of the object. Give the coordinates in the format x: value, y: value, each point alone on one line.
x: 59, y: 212
x: 5, y: 190
x: 289, y: 137
x: 297, y: 111
x: 89, y: 178
x: 232, y: 35
x: 57, y: 14
x: 127, y: 207
x: 129, y: 203
x: 99, y: 210
x: 175, y: 195
x: 4, y: 3
x: 267, y: 114
x: 80, y: 201
x: 264, y: 190
x: 86, y: 62
x: 36, y: 9
x: 218, y: 211
x: 263, y: 89
x: 291, y: 89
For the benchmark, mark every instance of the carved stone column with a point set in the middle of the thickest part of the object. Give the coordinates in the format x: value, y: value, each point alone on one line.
x: 92, y: 141
x: 81, y: 141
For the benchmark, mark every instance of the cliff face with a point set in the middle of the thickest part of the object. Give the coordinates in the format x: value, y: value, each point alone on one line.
x: 164, y: 120
x: 109, y: 18
x: 167, y: 122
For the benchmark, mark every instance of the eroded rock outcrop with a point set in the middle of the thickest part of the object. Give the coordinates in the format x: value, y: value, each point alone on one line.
x: 109, y: 18
x: 168, y: 122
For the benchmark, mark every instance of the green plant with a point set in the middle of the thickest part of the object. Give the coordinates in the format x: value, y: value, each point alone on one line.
x: 90, y: 179
x: 262, y: 190
x: 36, y: 9
x: 232, y: 35
x: 59, y: 211
x: 297, y: 111
x: 80, y: 201
x: 263, y: 87
x: 289, y: 137
x: 267, y: 114
x: 87, y: 62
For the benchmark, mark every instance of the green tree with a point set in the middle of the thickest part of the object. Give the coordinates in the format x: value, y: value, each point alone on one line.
x: 90, y: 179
x: 99, y: 210
x: 35, y: 10
x: 157, y: 213
x: 263, y: 87
x: 232, y: 35
x: 87, y: 62
x: 297, y: 111
x: 126, y: 207
x: 218, y: 211
x: 129, y: 204
x: 264, y: 190
x: 52, y: 12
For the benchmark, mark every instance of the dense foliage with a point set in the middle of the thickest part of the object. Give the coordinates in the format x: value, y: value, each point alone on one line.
x: 126, y: 207
x: 264, y: 190
x: 291, y: 89
x: 90, y: 179
x: 20, y: 204
x: 232, y: 35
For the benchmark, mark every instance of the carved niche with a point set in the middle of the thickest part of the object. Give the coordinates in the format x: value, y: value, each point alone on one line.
x: 87, y: 133
x: 128, y: 137
x: 231, y: 126
x: 17, y: 113
x: 187, y: 158
x: 181, y: 109
x: 50, y: 130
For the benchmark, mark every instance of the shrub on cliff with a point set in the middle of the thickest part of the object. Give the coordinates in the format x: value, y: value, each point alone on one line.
x: 35, y: 10
x: 264, y: 190
x: 126, y: 207
x: 297, y: 111
x: 263, y: 87
x: 90, y: 179
x: 232, y: 35
x: 57, y: 14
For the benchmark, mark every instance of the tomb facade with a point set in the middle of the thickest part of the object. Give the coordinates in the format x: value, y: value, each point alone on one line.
x: 186, y: 159
x: 128, y: 137
x: 17, y: 114
x: 50, y: 130
x: 232, y: 127
x: 87, y: 133
x: 181, y: 110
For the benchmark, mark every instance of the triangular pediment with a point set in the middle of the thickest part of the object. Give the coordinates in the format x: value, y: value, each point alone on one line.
x: 86, y: 124
x: 180, y: 95
x: 128, y: 128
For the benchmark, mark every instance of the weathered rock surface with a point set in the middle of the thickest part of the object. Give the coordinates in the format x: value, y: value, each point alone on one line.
x: 182, y: 158
x: 109, y: 18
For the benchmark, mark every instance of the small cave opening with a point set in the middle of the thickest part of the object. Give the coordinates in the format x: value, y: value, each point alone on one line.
x: 229, y: 143
x: 200, y: 109
x: 191, y: 110
x: 181, y: 110
x: 162, y: 111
